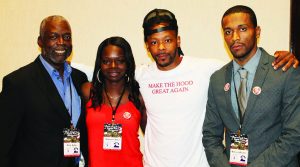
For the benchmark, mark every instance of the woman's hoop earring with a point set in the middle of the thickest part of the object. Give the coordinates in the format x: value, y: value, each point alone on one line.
x: 98, y: 76
x: 128, y: 79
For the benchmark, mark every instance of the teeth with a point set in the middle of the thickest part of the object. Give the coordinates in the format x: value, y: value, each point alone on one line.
x: 60, y: 51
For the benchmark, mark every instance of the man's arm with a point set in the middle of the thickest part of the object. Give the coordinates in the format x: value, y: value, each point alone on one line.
x: 286, y: 147
x: 143, y: 110
x: 285, y: 60
x: 213, y: 130
x: 12, y: 111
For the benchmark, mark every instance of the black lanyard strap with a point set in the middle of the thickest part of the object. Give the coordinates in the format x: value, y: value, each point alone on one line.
x: 71, y: 107
x: 114, y: 110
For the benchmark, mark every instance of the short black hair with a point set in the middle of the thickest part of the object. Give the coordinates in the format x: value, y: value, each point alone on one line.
x: 241, y: 9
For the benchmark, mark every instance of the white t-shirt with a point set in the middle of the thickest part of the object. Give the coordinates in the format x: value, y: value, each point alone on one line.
x: 176, y: 102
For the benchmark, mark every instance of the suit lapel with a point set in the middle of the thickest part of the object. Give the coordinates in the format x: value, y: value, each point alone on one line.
x: 77, y: 83
x: 228, y: 78
x: 46, y: 85
x: 259, y: 79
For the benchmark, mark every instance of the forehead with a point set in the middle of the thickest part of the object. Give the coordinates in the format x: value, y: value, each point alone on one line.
x: 58, y: 26
x: 112, y: 51
x: 236, y: 19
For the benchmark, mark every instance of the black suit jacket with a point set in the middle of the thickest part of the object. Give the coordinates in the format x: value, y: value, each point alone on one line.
x: 33, y: 117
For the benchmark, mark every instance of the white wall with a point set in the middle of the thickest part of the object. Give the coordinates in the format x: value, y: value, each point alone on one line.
x: 94, y: 20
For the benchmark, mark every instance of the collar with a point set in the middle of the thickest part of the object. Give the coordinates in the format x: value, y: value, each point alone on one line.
x: 53, y: 72
x: 251, y: 65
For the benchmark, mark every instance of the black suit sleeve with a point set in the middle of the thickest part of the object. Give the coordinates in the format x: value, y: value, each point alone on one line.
x: 12, y: 111
x: 213, y: 130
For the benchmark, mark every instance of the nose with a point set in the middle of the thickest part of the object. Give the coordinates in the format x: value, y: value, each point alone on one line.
x: 236, y: 36
x: 113, y: 64
x: 60, y: 40
x: 161, y: 46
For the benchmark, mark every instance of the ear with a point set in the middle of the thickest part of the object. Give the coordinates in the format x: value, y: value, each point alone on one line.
x: 39, y: 41
x: 257, y: 32
x: 147, y: 46
x: 178, y: 41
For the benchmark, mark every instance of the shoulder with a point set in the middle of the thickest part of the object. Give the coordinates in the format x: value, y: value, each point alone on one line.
x: 22, y: 73
x: 219, y: 75
x: 266, y: 57
x: 144, y: 70
x: 86, y: 89
x: 206, y: 65
x: 19, y: 79
x: 79, y: 76
x: 78, y: 72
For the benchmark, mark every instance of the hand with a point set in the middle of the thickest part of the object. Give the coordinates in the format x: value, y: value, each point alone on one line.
x: 285, y: 59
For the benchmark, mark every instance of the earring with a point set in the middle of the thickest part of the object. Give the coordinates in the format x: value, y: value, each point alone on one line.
x: 98, y: 76
x: 128, y: 79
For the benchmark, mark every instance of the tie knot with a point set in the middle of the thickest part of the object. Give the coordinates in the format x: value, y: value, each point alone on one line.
x: 243, y: 73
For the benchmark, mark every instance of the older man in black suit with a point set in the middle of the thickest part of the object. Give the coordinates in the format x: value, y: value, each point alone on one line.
x: 40, y: 101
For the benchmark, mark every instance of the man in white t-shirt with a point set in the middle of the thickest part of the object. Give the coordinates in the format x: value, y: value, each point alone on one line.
x: 174, y: 89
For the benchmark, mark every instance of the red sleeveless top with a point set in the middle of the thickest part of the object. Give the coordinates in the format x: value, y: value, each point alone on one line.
x: 127, y: 115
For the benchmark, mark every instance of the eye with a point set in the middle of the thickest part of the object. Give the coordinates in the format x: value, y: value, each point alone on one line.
x: 243, y: 29
x: 153, y: 42
x: 121, y: 61
x: 53, y: 36
x: 168, y: 40
x: 227, y: 32
x: 67, y: 37
x: 105, y: 62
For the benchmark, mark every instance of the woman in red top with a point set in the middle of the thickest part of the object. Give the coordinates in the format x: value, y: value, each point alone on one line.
x: 115, y: 109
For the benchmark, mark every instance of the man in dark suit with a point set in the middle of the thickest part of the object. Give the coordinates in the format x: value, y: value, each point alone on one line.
x: 260, y: 112
x: 39, y: 101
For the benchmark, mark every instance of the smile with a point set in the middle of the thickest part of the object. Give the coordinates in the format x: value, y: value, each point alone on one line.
x: 60, y: 51
x: 114, y: 74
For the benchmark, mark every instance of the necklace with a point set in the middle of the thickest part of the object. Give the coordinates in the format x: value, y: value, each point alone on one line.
x: 112, y: 97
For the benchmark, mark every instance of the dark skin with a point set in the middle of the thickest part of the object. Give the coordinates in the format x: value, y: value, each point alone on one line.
x: 155, y: 45
x: 55, y: 42
x: 285, y: 60
x: 240, y: 36
x: 113, y: 68
x: 163, y: 48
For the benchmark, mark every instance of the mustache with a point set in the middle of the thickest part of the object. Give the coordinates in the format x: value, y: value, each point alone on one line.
x: 62, y: 47
x: 236, y: 44
x: 162, y: 53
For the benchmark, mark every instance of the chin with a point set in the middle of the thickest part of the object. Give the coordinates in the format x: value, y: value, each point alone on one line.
x: 238, y: 55
x: 164, y: 64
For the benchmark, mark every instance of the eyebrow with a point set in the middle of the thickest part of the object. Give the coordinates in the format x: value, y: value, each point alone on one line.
x: 238, y: 26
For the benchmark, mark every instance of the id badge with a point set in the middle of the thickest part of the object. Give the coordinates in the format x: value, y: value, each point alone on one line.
x: 239, y: 149
x: 112, y: 139
x: 71, y: 142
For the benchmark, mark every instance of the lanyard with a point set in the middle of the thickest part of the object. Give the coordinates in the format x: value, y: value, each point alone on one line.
x: 114, y: 110
x: 71, y: 111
